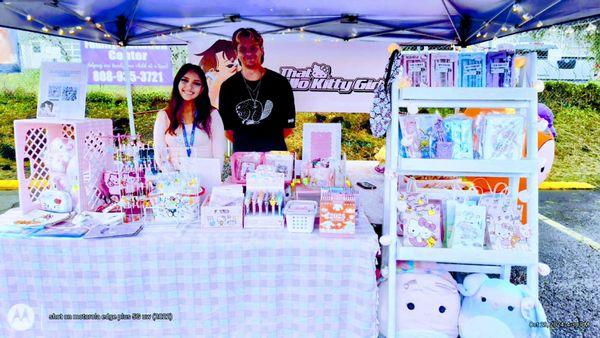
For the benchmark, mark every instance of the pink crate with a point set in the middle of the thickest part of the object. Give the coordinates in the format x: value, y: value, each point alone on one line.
x: 90, y: 146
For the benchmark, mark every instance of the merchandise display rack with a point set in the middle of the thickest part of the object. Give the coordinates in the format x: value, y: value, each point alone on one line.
x: 524, y: 101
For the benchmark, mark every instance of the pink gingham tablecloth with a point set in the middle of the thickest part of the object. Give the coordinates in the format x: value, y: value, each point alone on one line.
x: 246, y: 283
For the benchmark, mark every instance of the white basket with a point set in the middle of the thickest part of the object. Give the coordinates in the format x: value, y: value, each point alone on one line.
x: 300, y: 215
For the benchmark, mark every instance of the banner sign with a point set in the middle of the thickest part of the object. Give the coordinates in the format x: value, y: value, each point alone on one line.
x: 326, y: 76
x: 148, y: 66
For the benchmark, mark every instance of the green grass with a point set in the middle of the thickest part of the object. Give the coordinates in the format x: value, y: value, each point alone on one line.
x: 576, y: 109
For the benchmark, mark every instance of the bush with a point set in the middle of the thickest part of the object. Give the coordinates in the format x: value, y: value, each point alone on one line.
x: 7, y: 151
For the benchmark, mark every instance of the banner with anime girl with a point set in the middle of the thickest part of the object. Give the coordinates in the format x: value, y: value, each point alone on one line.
x: 326, y: 76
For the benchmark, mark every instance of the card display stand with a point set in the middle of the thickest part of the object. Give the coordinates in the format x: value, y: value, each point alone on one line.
x: 90, y: 148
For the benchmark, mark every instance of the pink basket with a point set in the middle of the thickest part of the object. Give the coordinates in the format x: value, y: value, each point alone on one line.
x: 91, y: 149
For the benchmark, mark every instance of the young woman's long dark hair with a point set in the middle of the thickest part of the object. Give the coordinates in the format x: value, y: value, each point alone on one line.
x: 201, y: 102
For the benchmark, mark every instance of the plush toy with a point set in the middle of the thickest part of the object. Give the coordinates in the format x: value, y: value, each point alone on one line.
x: 57, y: 157
x: 72, y: 175
x: 496, y: 308
x: 428, y: 304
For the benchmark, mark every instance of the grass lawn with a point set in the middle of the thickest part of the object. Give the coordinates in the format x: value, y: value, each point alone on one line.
x: 576, y: 109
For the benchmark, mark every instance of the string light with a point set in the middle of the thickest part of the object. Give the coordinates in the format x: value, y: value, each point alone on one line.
x: 504, y: 28
x: 61, y: 31
x: 526, y: 16
x: 478, y: 34
x: 29, y: 17
x: 302, y: 29
x: 516, y: 8
x: 539, y: 24
x: 88, y: 18
x: 106, y: 35
x: 71, y: 31
x: 45, y: 29
x: 485, y: 35
x: 79, y: 28
x: 98, y: 25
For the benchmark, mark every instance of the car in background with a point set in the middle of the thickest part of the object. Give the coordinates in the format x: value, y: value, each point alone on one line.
x: 558, y: 65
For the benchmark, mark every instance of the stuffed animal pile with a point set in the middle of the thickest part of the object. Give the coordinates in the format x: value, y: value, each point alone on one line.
x: 429, y: 306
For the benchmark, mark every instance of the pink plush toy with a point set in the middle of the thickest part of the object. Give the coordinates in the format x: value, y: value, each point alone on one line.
x: 428, y: 304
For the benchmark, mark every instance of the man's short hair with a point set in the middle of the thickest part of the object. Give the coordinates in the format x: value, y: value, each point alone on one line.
x: 246, y: 33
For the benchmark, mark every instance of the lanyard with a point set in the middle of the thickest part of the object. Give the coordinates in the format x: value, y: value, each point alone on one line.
x: 189, y: 143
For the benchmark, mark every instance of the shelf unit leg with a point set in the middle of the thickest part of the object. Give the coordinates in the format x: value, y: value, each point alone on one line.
x: 506, y: 270
x: 533, y: 279
x: 392, y: 220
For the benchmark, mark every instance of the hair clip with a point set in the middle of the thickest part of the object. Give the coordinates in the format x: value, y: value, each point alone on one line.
x: 260, y: 199
x: 273, y: 202
x: 280, y: 201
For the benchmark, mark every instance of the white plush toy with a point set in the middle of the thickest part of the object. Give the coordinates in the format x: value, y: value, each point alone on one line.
x: 57, y: 157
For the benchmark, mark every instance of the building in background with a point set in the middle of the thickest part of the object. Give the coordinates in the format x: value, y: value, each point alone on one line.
x: 9, y: 51
x: 38, y: 48
x: 562, y: 54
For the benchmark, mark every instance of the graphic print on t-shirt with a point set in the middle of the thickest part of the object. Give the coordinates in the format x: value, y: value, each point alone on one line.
x: 252, y: 111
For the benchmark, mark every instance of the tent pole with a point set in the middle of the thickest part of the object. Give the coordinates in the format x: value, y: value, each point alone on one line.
x: 129, y: 98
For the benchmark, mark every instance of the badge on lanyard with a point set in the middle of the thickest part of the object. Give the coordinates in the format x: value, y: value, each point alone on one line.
x: 189, y: 143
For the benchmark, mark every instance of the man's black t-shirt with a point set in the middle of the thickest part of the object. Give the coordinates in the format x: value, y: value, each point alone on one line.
x: 257, y: 111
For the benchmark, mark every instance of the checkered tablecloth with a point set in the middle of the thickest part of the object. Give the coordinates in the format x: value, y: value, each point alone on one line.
x: 246, y: 283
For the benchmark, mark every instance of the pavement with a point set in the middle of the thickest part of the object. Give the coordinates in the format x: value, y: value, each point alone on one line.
x: 571, y: 293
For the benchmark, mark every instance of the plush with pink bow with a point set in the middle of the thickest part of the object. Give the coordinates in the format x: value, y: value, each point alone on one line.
x: 57, y: 157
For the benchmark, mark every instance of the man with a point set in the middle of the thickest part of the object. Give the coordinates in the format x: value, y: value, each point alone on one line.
x: 256, y: 104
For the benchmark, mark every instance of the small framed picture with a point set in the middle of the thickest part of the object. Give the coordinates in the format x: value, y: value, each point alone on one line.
x: 321, y: 140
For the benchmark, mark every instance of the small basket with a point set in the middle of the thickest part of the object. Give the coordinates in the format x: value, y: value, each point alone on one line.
x: 300, y: 215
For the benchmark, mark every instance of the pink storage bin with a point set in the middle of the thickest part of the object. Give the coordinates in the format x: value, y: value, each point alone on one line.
x: 243, y: 163
x: 91, y: 153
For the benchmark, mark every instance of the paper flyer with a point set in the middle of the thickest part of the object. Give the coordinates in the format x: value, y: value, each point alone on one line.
x: 63, y: 88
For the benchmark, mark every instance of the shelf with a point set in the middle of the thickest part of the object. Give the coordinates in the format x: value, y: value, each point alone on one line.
x: 466, y: 256
x: 467, y: 97
x: 449, y: 167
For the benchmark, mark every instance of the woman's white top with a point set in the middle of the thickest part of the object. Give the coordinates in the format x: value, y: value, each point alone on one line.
x: 170, y: 149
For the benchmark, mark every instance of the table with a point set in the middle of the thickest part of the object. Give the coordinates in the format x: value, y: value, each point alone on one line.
x: 371, y: 200
x: 243, y: 283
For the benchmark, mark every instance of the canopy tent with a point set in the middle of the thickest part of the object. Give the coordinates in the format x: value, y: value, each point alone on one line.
x: 146, y: 22
x: 159, y: 22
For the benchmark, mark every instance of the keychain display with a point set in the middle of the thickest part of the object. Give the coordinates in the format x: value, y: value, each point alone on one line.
x: 265, y: 198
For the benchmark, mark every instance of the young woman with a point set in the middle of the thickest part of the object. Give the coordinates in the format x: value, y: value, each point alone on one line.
x: 189, y: 126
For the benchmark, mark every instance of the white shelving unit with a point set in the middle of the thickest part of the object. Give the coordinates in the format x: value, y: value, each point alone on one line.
x: 524, y: 100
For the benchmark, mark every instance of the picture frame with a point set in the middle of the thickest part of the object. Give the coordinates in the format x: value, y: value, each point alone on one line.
x: 321, y: 140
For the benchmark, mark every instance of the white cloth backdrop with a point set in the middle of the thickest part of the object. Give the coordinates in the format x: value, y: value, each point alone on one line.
x: 326, y: 76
